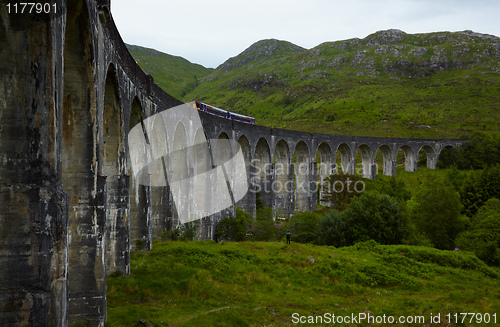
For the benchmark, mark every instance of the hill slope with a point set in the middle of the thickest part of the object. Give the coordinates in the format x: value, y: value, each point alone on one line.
x: 387, y: 84
x: 264, y: 284
x: 175, y: 75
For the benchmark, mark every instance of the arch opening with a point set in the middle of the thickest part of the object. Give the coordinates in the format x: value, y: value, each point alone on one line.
x: 427, y: 156
x: 302, y: 170
x: 161, y: 202
x: 407, y: 157
x: 324, y: 168
x: 366, y: 167
x: 139, y: 192
x: 247, y: 203
x: 283, y: 183
x: 113, y: 167
x: 262, y: 176
x: 446, y: 157
x: 344, y: 156
x: 227, y: 172
x: 180, y: 175
x: 385, y: 161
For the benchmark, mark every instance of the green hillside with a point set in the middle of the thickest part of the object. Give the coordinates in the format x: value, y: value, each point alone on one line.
x: 174, y: 74
x: 388, y: 84
x: 272, y: 284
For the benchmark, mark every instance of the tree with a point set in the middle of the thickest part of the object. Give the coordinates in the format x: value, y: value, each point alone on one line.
x: 375, y: 216
x: 303, y: 227
x: 332, y: 229
x: 436, y: 211
x: 340, y: 188
x: 263, y: 228
x: 477, y: 189
x: 391, y: 186
x: 483, y: 237
x: 233, y: 228
x: 483, y: 150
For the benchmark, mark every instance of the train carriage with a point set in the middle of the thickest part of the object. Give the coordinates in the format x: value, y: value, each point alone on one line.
x: 224, y: 113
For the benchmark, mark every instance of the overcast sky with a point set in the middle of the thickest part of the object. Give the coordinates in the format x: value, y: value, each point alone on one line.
x: 208, y: 32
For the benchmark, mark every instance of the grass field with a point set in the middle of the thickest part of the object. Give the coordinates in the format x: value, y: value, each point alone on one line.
x: 271, y: 284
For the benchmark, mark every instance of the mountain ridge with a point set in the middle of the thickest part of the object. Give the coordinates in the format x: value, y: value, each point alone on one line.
x: 260, y: 49
x: 390, y: 83
x: 174, y: 74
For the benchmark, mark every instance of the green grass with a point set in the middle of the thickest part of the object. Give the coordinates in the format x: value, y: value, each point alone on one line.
x: 263, y: 284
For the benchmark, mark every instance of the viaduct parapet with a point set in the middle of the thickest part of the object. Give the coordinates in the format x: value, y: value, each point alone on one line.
x: 71, y: 210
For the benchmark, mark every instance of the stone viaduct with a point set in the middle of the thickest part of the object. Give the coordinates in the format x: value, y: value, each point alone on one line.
x: 71, y: 210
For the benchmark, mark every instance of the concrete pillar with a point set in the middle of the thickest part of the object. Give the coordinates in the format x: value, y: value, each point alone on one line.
x: 313, y: 187
x: 393, y: 167
x: 282, y: 181
x: 247, y: 203
x: 34, y: 207
x: 302, y: 187
x: 432, y: 157
x: 373, y: 171
x: 263, y: 173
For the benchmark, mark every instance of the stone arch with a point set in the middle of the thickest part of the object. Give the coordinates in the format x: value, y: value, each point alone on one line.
x: 161, y: 203
x: 302, y: 173
x: 226, y: 173
x: 247, y: 151
x: 113, y: 167
x: 180, y: 174
x: 430, y: 155
x: 283, y: 183
x: 410, y: 159
x: 140, y: 191
x: 325, y: 167
x: 388, y: 160
x: 201, y: 164
x: 85, y: 187
x: 346, y: 158
x: 446, y: 148
x: 203, y: 191
x: 223, y: 149
x: 367, y: 162
x: 262, y: 179
x: 247, y: 203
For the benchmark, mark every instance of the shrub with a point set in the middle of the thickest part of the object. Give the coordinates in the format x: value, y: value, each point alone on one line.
x: 339, y: 189
x: 262, y: 228
x: 303, y: 227
x: 480, y: 152
x: 483, y: 237
x: 477, y: 189
x: 184, y: 232
x: 233, y: 228
x: 436, y: 212
x: 377, y: 217
x: 332, y: 230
